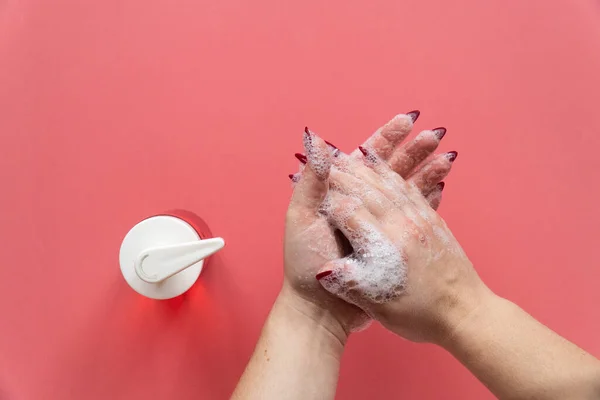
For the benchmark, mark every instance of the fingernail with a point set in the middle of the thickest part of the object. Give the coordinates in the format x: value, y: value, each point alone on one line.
x: 331, y: 144
x: 440, y: 185
x: 452, y: 155
x: 307, y: 141
x: 300, y: 157
x: 294, y: 177
x: 317, y: 158
x: 414, y: 115
x: 308, y: 134
x: 323, y: 274
x: 335, y: 151
x: 370, y: 156
x: 440, y: 132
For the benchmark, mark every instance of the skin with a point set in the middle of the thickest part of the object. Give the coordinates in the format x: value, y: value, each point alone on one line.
x: 441, y: 299
x: 310, y: 241
x: 298, y: 353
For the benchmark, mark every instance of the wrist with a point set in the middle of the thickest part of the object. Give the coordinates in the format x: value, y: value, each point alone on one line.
x: 312, y: 316
x: 479, y: 312
x: 469, y: 303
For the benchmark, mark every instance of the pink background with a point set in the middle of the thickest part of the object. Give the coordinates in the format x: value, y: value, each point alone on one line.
x: 113, y: 110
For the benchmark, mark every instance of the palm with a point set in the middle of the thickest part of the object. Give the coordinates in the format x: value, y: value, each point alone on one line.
x: 310, y: 243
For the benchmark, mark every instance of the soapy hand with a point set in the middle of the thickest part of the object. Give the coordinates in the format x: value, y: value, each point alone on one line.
x: 310, y: 240
x: 407, y: 270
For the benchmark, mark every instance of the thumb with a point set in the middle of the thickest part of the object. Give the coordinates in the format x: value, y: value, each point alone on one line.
x: 312, y: 188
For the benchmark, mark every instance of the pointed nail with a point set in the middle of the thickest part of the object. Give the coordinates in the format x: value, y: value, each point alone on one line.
x: 452, y: 155
x: 440, y: 132
x: 331, y: 144
x: 414, y: 115
x: 307, y: 138
x: 336, y: 151
x: 441, y: 185
x: 364, y: 151
x: 308, y: 134
x: 300, y: 157
x: 323, y: 274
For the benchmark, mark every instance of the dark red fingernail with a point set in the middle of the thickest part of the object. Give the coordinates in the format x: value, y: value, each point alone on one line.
x: 308, y: 132
x: 300, y: 157
x: 439, y: 132
x: 307, y: 138
x: 331, y: 144
x: 440, y: 185
x: 364, y: 151
x: 414, y: 115
x: 323, y: 274
x: 291, y: 176
x: 452, y: 155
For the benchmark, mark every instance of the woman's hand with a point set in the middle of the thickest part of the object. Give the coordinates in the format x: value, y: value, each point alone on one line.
x: 410, y: 273
x: 310, y: 240
x: 407, y: 270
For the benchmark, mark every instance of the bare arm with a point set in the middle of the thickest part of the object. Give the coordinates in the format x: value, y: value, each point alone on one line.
x: 297, y: 356
x: 517, y: 357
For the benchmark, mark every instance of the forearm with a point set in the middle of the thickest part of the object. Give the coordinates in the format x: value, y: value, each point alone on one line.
x: 519, y: 358
x: 297, y: 356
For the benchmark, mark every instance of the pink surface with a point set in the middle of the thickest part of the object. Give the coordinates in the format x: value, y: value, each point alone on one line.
x: 111, y: 111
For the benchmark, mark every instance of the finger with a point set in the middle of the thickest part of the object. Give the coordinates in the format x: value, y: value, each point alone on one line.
x: 335, y: 152
x: 362, y: 284
x: 349, y: 215
x: 433, y: 172
x: 312, y: 187
x: 295, y: 177
x: 386, y: 138
x: 405, y: 196
x: 434, y: 198
x: 337, y: 277
x: 392, y: 184
x: 372, y: 197
x: 357, y: 167
x: 376, y: 272
x: 406, y: 158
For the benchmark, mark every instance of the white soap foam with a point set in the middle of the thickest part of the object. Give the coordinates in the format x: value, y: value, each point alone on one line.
x: 424, y: 135
x: 397, y: 128
x: 318, y: 154
x: 342, y: 162
x: 376, y: 271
